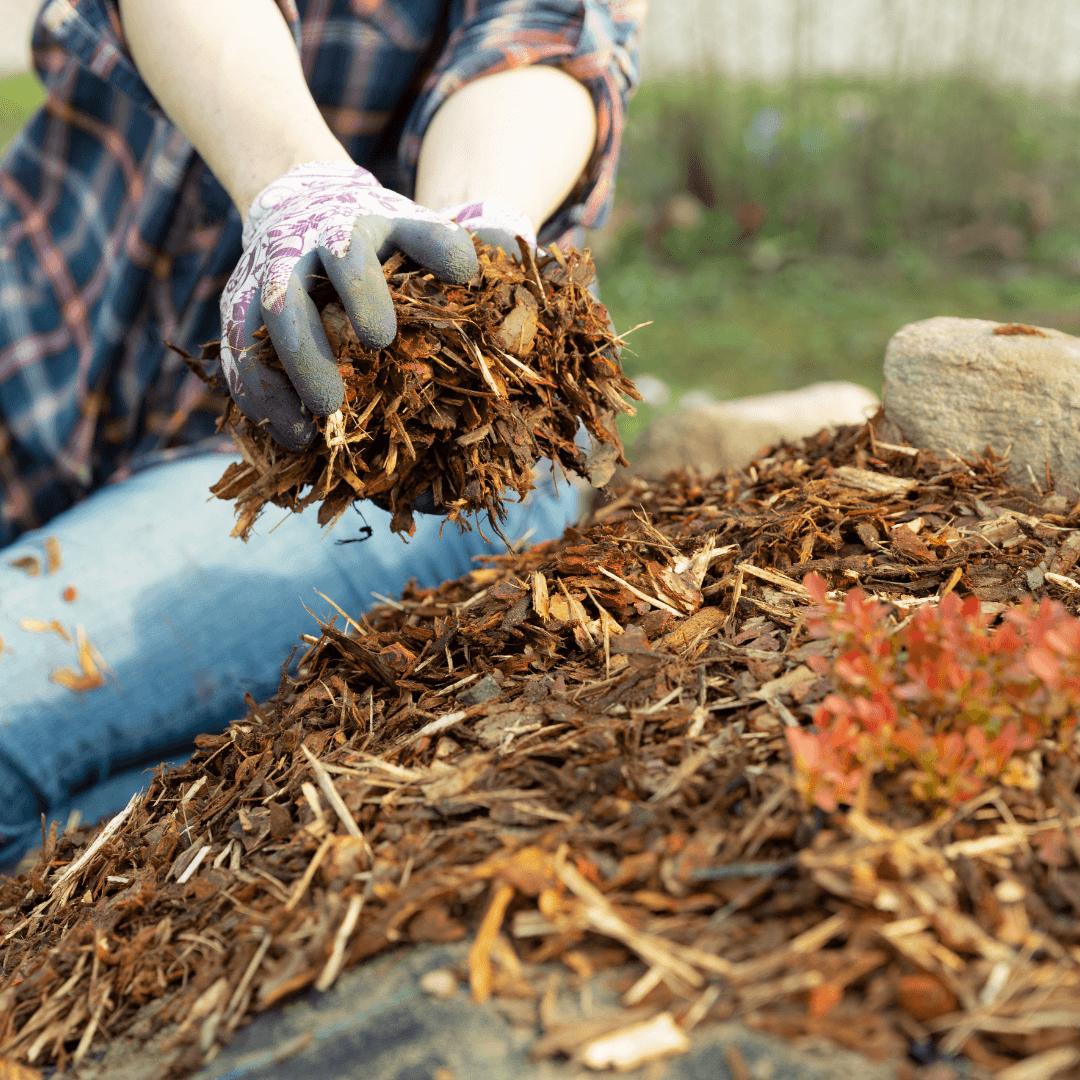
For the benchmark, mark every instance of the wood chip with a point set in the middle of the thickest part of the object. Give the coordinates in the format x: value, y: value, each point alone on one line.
x: 872, y: 482
x: 1044, y: 1066
x: 335, y: 800
x: 337, y: 956
x: 630, y: 1047
x: 53, y: 558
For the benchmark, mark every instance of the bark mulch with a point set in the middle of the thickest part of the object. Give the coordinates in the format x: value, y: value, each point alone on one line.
x: 577, y: 753
x: 481, y: 382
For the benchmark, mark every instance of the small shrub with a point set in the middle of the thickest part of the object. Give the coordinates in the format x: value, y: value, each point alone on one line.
x: 947, y: 698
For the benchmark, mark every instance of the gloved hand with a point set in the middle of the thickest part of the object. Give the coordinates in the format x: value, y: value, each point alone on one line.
x: 332, y: 218
x: 494, y: 221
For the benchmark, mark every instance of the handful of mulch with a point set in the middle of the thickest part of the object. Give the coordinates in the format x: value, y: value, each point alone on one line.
x: 481, y: 382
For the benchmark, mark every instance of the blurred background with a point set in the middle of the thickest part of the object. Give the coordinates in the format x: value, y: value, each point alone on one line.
x: 802, y: 177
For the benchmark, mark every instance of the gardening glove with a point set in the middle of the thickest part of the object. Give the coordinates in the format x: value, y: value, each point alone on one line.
x: 327, y: 218
x: 494, y: 221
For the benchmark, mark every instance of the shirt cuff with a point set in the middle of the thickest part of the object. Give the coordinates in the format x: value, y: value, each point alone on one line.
x: 595, y: 41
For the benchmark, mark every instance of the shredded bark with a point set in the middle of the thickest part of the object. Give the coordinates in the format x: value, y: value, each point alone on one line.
x: 481, y: 383
x: 578, y: 753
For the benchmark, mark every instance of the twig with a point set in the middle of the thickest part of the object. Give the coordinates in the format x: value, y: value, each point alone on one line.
x: 639, y: 594
x: 352, y: 622
x: 602, y: 916
x: 102, y: 839
x: 232, y: 1012
x: 336, y: 801
x: 337, y: 954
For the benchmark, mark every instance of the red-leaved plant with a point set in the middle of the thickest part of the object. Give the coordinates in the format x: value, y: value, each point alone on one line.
x: 944, y: 696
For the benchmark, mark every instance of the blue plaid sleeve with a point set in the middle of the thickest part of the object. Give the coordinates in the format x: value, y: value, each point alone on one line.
x: 89, y: 31
x: 92, y: 33
x: 595, y: 41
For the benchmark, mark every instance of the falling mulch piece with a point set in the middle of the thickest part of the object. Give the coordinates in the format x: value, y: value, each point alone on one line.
x: 40, y: 626
x: 92, y: 666
x: 579, y: 753
x: 54, y: 557
x: 481, y: 383
x: 29, y: 564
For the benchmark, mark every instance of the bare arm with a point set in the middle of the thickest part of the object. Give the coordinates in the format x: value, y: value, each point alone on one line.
x: 523, y: 135
x: 227, y: 73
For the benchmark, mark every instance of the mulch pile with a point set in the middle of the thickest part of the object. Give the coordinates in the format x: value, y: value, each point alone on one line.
x: 481, y: 382
x: 577, y: 753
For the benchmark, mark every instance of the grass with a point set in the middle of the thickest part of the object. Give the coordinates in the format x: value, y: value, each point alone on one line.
x: 861, y: 166
x: 721, y: 326
x: 860, y: 185
x: 864, y: 189
x: 20, y: 95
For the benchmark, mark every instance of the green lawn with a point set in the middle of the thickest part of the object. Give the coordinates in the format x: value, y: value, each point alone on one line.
x: 20, y: 95
x: 861, y: 193
x: 721, y: 326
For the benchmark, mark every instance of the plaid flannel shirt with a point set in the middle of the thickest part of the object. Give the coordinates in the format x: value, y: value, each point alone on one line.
x: 115, y: 237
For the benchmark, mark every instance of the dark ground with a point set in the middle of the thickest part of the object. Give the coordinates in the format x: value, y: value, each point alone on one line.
x: 377, y: 1024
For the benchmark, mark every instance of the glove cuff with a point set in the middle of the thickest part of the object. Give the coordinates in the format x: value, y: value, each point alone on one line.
x: 307, y: 177
x: 492, y: 214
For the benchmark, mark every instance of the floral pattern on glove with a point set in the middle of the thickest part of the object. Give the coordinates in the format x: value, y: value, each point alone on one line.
x: 315, y: 205
x: 492, y: 214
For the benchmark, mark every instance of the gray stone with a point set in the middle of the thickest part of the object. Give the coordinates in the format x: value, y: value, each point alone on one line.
x: 487, y: 689
x: 956, y: 385
x: 377, y: 1023
x: 730, y: 434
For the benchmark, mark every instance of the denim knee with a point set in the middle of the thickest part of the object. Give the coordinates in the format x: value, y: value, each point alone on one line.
x: 19, y: 802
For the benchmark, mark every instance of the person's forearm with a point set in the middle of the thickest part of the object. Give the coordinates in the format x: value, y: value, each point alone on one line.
x: 524, y: 135
x: 227, y: 73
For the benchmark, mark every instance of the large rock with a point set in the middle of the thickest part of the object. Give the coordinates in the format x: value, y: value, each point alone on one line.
x: 377, y: 1023
x: 730, y: 434
x: 965, y: 384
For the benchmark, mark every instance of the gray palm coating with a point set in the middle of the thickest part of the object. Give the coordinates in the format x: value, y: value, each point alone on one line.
x: 297, y: 331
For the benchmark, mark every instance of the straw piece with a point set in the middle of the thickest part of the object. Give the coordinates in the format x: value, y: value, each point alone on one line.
x: 335, y: 800
x: 341, y: 939
x: 106, y: 834
x: 480, y: 953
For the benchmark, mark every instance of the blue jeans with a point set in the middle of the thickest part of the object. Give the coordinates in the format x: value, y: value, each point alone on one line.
x: 188, y: 619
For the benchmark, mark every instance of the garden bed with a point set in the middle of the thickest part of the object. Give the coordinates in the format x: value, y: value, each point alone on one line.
x: 614, y: 750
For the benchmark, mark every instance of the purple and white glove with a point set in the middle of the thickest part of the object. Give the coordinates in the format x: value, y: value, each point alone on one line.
x: 494, y: 221
x: 327, y: 218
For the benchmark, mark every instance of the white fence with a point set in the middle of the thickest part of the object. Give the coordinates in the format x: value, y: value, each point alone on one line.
x: 1032, y: 42
x: 16, y: 17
